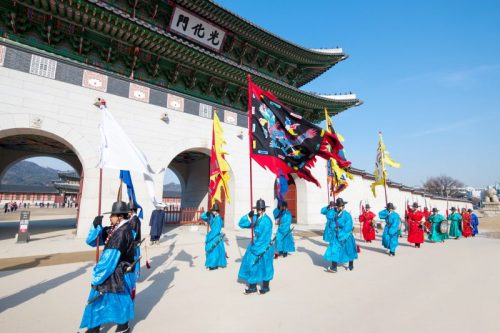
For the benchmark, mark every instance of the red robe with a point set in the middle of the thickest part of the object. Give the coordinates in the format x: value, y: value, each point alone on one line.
x: 368, y: 230
x: 415, y: 232
x: 428, y: 224
x: 466, y: 225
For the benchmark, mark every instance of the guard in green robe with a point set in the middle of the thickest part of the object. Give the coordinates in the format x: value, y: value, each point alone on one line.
x: 435, y: 219
x: 455, y: 224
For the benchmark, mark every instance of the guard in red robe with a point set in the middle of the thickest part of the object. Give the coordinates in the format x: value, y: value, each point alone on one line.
x: 466, y: 224
x: 368, y: 227
x: 415, y: 227
x: 428, y: 224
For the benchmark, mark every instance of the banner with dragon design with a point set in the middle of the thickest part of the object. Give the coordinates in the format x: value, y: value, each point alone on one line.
x: 284, y: 141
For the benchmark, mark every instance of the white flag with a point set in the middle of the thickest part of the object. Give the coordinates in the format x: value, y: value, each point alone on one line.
x: 118, y: 152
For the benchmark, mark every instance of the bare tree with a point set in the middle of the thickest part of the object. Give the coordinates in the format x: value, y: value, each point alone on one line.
x: 445, y: 186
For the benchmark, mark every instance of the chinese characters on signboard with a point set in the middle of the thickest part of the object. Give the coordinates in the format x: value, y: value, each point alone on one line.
x: 196, y: 29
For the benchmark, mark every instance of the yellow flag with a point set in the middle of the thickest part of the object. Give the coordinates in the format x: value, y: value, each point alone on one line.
x: 383, y: 158
x: 219, y: 168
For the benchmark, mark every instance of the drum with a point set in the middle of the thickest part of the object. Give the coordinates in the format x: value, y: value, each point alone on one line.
x: 443, y: 227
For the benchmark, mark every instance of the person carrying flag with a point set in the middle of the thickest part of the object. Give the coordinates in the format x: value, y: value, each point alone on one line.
x: 284, y: 235
x: 342, y: 245
x: 368, y: 227
x: 215, y: 251
x: 329, y: 211
x: 113, y: 278
x: 390, y: 235
x: 455, y: 218
x: 415, y: 227
x: 257, y: 264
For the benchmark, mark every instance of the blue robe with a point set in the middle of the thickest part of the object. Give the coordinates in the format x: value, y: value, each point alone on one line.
x: 474, y: 223
x: 342, y: 246
x: 158, y: 219
x: 263, y: 270
x: 215, y: 256
x: 284, y: 236
x: 330, y: 214
x: 135, y: 223
x: 390, y: 236
x: 455, y: 219
x: 111, y: 307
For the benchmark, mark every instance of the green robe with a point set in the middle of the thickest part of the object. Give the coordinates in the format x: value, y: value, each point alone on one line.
x: 435, y: 235
x: 455, y: 219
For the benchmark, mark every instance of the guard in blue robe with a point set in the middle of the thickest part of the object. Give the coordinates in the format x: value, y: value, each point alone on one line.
x: 113, y: 278
x: 342, y: 245
x: 455, y: 224
x: 214, y: 241
x: 157, y: 220
x: 284, y: 236
x: 135, y: 225
x: 391, y: 230
x: 257, y: 263
x: 329, y: 212
x: 474, y: 221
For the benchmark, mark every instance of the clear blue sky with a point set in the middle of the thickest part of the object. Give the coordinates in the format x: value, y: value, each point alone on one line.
x: 427, y: 71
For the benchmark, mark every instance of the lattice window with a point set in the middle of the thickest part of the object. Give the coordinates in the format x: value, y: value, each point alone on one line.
x: 43, y: 66
x: 205, y: 111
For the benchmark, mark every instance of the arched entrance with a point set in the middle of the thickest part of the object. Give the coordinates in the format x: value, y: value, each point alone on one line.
x: 291, y: 198
x: 43, y: 191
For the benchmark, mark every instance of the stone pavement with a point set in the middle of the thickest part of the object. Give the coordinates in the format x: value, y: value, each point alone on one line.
x: 450, y: 287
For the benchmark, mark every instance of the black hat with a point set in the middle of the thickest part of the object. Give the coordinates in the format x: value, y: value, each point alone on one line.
x: 435, y: 210
x: 119, y: 207
x: 453, y: 208
x: 215, y: 207
x: 284, y: 204
x: 415, y: 205
x: 469, y: 210
x: 367, y: 206
x: 340, y: 202
x: 132, y: 206
x: 331, y: 203
x: 390, y: 205
x: 261, y: 204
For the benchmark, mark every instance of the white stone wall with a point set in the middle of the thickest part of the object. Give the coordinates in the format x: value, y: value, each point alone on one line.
x: 65, y: 113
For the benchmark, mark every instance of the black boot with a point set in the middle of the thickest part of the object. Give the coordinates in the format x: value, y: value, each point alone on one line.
x: 252, y: 288
x: 332, y: 268
x: 212, y: 268
x: 93, y: 330
x: 265, y: 287
x: 285, y: 254
x: 351, y: 265
x: 122, y: 328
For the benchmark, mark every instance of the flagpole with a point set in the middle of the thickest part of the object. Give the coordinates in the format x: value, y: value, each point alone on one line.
x: 250, y: 139
x: 99, y: 214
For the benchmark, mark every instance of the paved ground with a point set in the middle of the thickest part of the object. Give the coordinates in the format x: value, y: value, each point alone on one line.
x: 451, y: 287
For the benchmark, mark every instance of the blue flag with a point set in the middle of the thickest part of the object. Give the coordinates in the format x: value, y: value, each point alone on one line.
x: 127, y: 180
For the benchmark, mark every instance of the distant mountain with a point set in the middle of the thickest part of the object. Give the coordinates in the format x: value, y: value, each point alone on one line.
x: 172, y: 189
x: 29, y: 173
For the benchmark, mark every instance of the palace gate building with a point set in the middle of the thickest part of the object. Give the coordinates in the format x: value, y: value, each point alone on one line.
x: 164, y: 68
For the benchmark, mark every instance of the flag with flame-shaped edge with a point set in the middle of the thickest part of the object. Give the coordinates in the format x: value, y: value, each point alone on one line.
x: 337, y: 177
x: 383, y: 158
x: 219, y: 168
x: 283, y: 141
